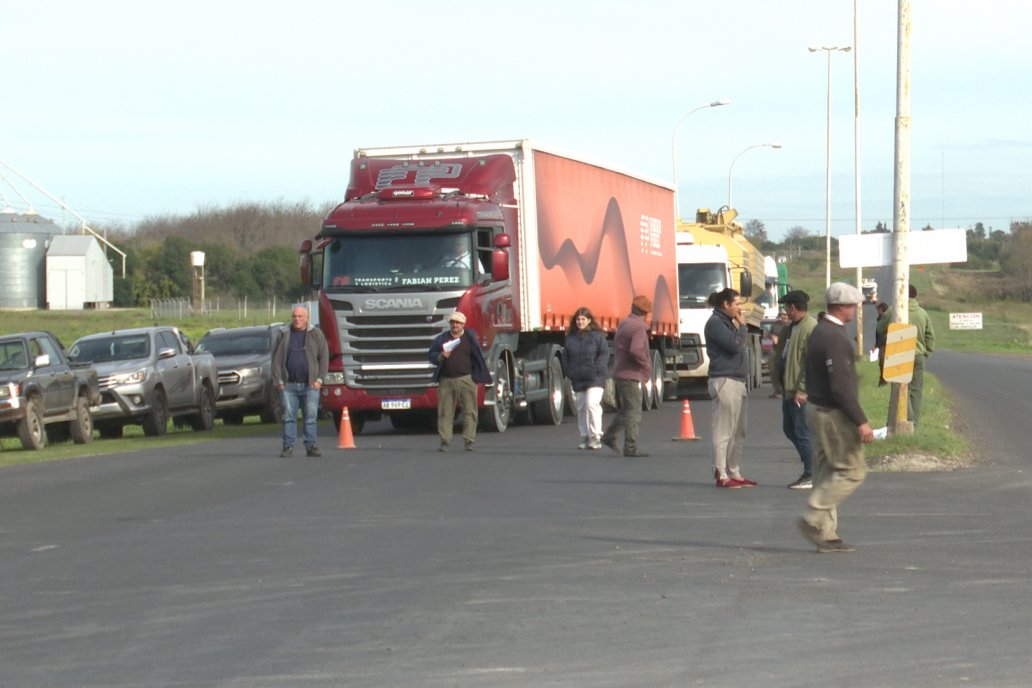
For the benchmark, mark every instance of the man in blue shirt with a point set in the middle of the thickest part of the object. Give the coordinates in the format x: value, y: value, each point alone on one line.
x: 299, y: 366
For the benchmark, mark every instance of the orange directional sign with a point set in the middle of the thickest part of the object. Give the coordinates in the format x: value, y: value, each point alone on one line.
x: 900, y: 347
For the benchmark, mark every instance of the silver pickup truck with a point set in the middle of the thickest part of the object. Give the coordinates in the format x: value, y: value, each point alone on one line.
x: 146, y: 376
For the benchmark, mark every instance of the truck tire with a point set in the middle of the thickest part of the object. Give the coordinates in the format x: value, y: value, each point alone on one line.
x: 549, y: 411
x: 81, y: 427
x: 204, y: 419
x: 497, y: 417
x: 657, y: 390
x: 272, y: 412
x: 156, y: 423
x: 30, y: 428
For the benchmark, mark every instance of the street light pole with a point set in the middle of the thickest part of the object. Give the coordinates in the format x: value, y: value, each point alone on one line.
x: 827, y: 177
x: 730, y: 195
x: 673, y: 146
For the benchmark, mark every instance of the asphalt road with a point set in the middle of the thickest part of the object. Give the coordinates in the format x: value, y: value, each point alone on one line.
x: 525, y: 563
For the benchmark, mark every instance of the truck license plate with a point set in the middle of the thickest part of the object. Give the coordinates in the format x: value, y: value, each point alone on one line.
x: 396, y: 404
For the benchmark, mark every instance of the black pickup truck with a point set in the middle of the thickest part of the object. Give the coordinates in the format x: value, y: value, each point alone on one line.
x: 43, y: 395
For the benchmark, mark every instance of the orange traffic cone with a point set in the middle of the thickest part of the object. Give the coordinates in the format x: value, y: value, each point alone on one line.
x: 346, y: 439
x: 687, y: 427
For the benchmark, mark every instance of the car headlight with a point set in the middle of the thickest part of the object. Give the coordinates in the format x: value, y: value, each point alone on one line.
x: 129, y: 378
x: 250, y: 372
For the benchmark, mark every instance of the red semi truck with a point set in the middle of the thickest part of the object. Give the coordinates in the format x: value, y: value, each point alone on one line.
x: 545, y: 234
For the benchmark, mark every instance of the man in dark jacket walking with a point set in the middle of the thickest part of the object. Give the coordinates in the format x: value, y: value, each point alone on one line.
x: 836, y: 419
x: 632, y: 367
x: 460, y: 366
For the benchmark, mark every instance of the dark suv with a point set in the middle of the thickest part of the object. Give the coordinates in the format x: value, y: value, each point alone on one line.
x: 244, y: 359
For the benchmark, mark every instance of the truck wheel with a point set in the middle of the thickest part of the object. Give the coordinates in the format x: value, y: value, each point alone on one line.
x: 157, y: 422
x: 272, y: 412
x: 549, y: 411
x: 204, y: 419
x: 82, y: 427
x: 30, y: 428
x: 496, y: 418
x: 656, y: 387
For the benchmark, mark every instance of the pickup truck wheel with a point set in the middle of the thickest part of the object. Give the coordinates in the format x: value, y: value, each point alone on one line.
x: 549, y: 411
x: 272, y: 412
x: 30, y: 428
x: 204, y: 419
x: 157, y: 422
x: 81, y: 427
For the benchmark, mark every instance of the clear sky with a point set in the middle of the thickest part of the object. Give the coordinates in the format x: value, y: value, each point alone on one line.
x: 126, y: 109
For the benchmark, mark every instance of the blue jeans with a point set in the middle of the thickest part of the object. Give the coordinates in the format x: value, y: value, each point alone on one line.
x: 793, y: 422
x: 299, y: 395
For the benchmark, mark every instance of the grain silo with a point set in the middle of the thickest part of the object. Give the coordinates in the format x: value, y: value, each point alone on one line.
x: 24, y: 239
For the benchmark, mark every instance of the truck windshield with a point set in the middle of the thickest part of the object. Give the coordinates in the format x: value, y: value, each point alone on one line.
x: 100, y: 350
x: 696, y: 281
x: 399, y: 262
x: 236, y: 344
x: 13, y: 356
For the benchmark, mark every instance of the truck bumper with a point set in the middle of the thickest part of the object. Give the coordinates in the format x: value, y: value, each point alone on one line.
x: 336, y: 397
x: 127, y: 401
x: 248, y: 393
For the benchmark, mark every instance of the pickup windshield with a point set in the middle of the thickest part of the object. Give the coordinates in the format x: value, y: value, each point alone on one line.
x: 399, y: 262
x: 13, y: 356
x: 102, y: 349
x: 696, y: 281
x: 232, y: 344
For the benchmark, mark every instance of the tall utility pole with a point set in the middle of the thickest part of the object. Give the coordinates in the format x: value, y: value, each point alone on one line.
x: 856, y: 176
x: 898, y: 423
x: 827, y: 177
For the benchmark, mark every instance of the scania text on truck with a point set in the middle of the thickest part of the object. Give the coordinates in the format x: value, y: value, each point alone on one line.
x: 545, y: 233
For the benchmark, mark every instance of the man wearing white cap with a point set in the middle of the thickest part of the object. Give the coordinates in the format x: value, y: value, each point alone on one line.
x: 836, y: 419
x: 460, y: 367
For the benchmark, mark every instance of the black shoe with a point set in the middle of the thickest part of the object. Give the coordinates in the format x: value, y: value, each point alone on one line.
x: 805, y: 482
x: 609, y: 442
x: 313, y: 451
x: 636, y: 454
x: 286, y: 453
x: 469, y: 445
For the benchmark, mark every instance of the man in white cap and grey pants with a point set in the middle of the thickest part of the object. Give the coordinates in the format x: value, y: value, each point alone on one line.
x: 836, y: 419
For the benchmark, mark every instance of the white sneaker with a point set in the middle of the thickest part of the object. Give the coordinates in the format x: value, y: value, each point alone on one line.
x: 595, y: 444
x: 583, y: 443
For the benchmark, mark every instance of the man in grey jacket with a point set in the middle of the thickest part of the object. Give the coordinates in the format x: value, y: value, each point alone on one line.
x: 299, y: 365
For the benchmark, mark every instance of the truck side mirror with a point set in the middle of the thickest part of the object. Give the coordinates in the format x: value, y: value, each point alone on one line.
x: 305, y: 249
x: 746, y: 283
x: 42, y: 361
x: 500, y: 257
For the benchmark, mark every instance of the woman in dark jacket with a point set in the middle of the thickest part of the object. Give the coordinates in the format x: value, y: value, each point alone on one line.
x: 586, y: 363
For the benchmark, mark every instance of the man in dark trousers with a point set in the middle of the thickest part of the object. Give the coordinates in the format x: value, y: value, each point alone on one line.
x: 632, y: 367
x: 299, y: 365
x: 836, y: 419
x: 793, y: 382
x: 460, y: 366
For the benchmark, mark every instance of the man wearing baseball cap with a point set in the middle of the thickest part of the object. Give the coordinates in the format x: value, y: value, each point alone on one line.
x: 836, y: 419
x: 632, y: 368
x: 460, y: 366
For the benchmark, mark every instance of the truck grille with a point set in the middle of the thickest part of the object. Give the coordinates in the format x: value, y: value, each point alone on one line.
x: 389, y: 351
x: 105, y: 381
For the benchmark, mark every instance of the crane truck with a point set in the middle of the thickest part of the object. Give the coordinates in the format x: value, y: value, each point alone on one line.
x: 713, y: 254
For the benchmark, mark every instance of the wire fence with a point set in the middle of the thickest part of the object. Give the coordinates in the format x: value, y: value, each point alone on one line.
x: 179, y: 308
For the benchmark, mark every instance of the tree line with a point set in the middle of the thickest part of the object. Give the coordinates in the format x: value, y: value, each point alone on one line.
x: 251, y: 252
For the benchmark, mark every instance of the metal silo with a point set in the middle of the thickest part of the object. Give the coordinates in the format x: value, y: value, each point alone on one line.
x: 24, y: 238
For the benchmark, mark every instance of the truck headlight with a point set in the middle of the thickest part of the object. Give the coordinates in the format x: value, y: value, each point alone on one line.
x: 334, y: 378
x: 9, y: 391
x: 250, y: 372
